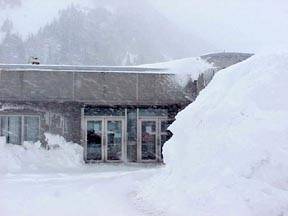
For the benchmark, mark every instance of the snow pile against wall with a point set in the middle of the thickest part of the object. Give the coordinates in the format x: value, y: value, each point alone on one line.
x: 229, y: 153
x: 32, y: 157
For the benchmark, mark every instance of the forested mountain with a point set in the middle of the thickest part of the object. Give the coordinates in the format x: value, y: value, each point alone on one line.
x: 122, y: 35
x: 9, y: 3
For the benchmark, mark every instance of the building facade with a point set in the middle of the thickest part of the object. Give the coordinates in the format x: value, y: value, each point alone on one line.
x: 117, y: 114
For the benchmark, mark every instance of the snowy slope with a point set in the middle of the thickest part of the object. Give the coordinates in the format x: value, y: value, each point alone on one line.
x: 229, y: 152
x: 93, y: 33
x: 31, y: 15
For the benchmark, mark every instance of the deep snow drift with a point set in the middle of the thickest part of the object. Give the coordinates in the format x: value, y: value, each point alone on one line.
x: 229, y: 153
x: 32, y: 157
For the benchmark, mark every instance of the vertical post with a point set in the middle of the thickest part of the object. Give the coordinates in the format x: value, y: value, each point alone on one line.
x: 137, y: 88
x: 22, y: 130
x: 125, y: 135
x: 138, y: 137
x: 83, y: 135
x: 73, y: 86
x: 158, y: 138
x: 104, y: 140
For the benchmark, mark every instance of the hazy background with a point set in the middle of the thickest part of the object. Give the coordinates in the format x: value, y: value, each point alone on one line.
x: 129, y: 32
x: 240, y: 25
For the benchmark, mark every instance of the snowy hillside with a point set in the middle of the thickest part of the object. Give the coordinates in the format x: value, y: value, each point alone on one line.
x: 90, y: 33
x: 228, y: 155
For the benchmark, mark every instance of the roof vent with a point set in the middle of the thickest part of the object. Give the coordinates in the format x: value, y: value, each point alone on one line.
x: 34, y: 61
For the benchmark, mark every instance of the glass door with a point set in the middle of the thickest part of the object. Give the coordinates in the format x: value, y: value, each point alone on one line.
x: 95, y: 140
x: 148, y: 140
x: 105, y: 139
x: 114, y: 140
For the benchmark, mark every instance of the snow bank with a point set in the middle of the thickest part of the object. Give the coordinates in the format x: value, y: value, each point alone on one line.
x: 32, y: 157
x: 229, y: 154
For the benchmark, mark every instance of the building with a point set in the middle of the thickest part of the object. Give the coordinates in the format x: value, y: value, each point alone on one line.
x: 118, y: 114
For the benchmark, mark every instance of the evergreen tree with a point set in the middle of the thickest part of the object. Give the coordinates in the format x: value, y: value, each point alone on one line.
x: 12, y: 50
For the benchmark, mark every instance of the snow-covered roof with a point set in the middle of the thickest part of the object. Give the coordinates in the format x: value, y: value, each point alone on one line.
x: 192, y: 66
x: 80, y: 68
x: 107, y: 85
x: 197, y: 65
x: 225, y: 59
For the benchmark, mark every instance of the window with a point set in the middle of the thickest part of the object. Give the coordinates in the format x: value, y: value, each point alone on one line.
x: 149, y: 140
x: 31, y: 128
x: 11, y: 129
x: 153, y: 112
x: 18, y: 128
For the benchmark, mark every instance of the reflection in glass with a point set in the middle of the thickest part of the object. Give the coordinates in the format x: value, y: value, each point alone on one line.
x: 31, y: 128
x: 132, y: 135
x: 148, y: 146
x: 11, y: 129
x: 94, y: 140
x: 114, y: 140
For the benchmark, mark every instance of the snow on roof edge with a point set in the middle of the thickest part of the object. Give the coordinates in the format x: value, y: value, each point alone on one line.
x: 81, y: 68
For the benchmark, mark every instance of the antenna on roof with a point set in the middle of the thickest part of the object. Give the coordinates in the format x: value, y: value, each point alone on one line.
x: 34, y: 61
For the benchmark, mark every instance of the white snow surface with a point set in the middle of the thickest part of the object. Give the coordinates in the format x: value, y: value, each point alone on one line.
x: 184, y: 68
x: 32, y: 157
x: 229, y: 153
x: 34, y: 182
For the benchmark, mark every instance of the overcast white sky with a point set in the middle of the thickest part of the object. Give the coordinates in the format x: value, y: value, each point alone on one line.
x: 231, y: 25
x: 240, y: 25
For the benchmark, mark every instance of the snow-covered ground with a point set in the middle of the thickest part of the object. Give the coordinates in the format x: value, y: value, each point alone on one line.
x: 90, y: 191
x: 229, y: 152
x: 34, y: 182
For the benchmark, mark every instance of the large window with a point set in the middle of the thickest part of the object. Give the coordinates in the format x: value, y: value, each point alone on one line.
x: 17, y: 128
